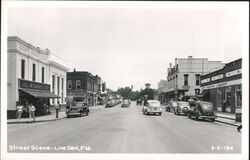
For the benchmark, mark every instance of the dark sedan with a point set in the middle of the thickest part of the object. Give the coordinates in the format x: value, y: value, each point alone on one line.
x: 202, y: 110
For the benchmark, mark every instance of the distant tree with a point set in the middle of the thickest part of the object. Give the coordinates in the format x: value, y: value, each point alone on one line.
x: 149, y: 92
x: 125, y: 92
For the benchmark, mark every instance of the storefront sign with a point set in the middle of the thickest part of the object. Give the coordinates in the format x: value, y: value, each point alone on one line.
x: 33, y: 85
x: 217, y: 77
x: 223, y: 84
x: 233, y: 73
x: 205, y: 80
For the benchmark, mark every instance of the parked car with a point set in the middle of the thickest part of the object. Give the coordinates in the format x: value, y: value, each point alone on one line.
x: 125, y: 103
x: 110, y: 103
x: 202, y: 110
x: 77, y: 109
x: 181, y: 108
x: 152, y: 107
x: 139, y: 102
x: 171, y: 105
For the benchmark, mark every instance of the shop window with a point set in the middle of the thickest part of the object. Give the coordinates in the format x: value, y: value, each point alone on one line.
x: 197, y: 79
x: 53, y: 83
x: 58, y: 85
x: 78, y: 84
x: 42, y: 74
x: 22, y: 68
x: 238, y: 96
x: 185, y: 79
x: 69, y: 84
x: 62, y: 90
x: 34, y: 72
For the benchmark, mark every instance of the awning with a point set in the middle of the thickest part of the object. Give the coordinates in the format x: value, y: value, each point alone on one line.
x: 40, y: 93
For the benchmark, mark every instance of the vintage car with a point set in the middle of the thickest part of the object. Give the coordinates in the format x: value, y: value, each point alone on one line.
x: 139, y: 102
x: 152, y: 107
x: 202, y: 110
x: 171, y: 105
x: 125, y: 103
x: 112, y: 103
x: 181, y: 108
x: 77, y: 109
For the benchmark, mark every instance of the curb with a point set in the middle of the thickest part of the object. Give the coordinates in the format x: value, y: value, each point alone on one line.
x: 226, y: 123
x: 226, y: 117
x: 37, y: 121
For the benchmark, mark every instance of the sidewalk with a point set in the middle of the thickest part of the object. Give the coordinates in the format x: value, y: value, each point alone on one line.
x: 226, y: 118
x: 45, y: 118
x: 51, y: 117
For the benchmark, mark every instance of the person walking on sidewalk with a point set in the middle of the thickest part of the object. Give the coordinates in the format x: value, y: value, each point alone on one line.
x: 32, y: 112
x: 239, y: 127
x: 19, y: 110
x: 57, y: 109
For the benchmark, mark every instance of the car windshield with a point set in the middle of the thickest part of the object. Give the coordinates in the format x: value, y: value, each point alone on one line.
x: 154, y: 102
x: 184, y: 103
x: 174, y: 103
x: 206, y: 104
x: 78, y: 104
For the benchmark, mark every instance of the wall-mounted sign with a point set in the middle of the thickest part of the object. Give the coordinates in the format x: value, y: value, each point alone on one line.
x: 233, y: 73
x: 217, y: 77
x: 205, y: 80
x: 33, y: 85
x: 223, y: 84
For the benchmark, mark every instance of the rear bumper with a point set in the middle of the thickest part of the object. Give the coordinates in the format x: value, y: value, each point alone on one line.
x: 152, y: 111
x: 209, y: 117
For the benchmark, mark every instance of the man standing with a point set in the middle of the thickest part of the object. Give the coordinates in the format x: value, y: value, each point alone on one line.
x: 57, y: 109
x: 19, y: 110
x: 32, y: 112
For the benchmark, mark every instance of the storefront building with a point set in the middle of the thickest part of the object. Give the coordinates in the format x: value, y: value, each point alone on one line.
x: 29, y: 79
x: 183, y: 79
x: 84, y: 86
x: 224, y: 88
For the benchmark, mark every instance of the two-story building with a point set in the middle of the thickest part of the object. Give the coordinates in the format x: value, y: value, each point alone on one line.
x: 183, y: 79
x: 223, y: 88
x: 84, y: 86
x: 33, y: 77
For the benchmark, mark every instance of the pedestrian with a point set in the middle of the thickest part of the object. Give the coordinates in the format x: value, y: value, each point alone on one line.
x: 32, y: 112
x: 57, y: 109
x: 239, y: 127
x: 19, y: 110
x: 224, y: 105
x: 45, y: 108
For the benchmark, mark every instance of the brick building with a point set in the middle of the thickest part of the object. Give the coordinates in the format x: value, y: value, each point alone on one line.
x: 224, y: 88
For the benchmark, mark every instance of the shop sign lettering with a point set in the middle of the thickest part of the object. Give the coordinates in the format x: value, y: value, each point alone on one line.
x: 233, y: 73
x: 217, y: 77
x: 205, y: 80
x: 223, y: 84
x: 33, y: 85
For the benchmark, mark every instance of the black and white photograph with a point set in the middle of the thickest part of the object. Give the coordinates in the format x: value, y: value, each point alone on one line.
x: 124, y: 80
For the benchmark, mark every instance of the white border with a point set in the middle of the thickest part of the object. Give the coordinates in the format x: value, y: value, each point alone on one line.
x: 243, y: 6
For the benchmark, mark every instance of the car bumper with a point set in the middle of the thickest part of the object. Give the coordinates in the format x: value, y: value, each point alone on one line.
x: 72, y: 113
x: 209, y: 117
x: 154, y: 111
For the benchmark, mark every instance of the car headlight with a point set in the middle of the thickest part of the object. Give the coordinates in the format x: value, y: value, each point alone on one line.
x: 78, y: 109
x: 67, y: 110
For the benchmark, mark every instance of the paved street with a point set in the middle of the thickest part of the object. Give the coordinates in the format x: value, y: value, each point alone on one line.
x: 125, y: 130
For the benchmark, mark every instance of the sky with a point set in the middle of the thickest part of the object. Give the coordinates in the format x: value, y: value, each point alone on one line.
x: 129, y: 46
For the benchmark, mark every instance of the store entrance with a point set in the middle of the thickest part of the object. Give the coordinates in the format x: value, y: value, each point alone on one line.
x: 41, y: 104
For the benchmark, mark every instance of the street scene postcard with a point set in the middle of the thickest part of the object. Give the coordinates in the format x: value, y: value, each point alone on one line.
x: 124, y: 80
